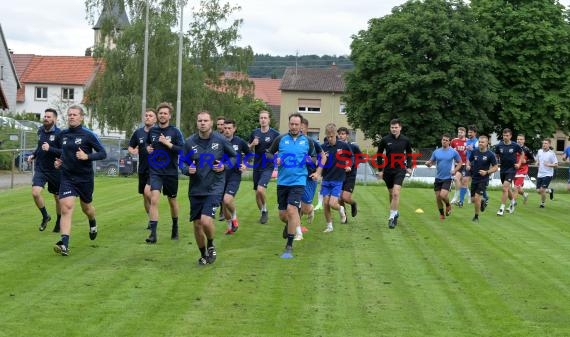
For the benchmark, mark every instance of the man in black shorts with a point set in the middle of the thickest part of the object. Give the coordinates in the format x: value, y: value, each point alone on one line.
x: 137, y: 145
x: 482, y: 164
x: 45, y: 172
x: 394, y: 165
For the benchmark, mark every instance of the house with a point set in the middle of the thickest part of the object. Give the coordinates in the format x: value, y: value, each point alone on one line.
x: 9, y: 83
x: 267, y: 90
x: 316, y: 94
x: 53, y: 81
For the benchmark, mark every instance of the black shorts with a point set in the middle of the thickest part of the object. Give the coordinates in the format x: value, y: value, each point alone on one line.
x: 203, y: 205
x: 167, y: 184
x: 394, y: 177
x: 53, y: 180
x: 479, y: 186
x: 70, y: 187
x: 441, y: 184
x: 144, y: 179
x: 349, y: 183
x: 261, y: 178
x: 289, y: 195
x: 463, y: 171
x: 508, y: 176
x: 543, y: 182
x: 232, y: 186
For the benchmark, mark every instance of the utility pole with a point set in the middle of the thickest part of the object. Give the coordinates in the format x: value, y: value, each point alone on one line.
x: 181, y: 3
x: 145, y: 64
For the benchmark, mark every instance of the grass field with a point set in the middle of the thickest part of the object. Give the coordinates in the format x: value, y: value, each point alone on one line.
x: 505, y: 276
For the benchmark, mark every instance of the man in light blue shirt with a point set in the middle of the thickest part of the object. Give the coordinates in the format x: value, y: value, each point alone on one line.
x: 444, y: 158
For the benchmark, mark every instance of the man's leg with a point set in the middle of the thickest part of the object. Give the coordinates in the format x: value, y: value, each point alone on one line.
x: 40, y: 204
x: 174, y: 208
x: 89, y: 211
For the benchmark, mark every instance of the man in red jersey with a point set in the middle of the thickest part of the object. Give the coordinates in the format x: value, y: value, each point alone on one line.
x: 461, y: 179
x: 523, y: 169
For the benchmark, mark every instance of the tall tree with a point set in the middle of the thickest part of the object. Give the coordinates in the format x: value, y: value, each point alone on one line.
x: 532, y: 64
x: 428, y: 64
x: 115, y: 97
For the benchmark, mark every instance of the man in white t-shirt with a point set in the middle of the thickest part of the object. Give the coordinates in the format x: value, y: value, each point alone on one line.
x: 547, y: 162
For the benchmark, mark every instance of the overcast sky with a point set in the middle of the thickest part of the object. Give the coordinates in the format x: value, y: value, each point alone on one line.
x: 59, y: 27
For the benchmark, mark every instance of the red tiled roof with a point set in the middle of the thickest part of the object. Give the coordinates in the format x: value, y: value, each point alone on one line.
x: 267, y: 90
x: 313, y: 79
x: 59, y: 70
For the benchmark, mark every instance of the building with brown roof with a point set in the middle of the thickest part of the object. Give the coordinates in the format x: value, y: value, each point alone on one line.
x: 53, y: 81
x: 316, y: 94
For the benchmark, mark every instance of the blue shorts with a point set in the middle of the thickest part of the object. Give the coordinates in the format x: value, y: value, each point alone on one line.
x: 289, y: 195
x: 167, y: 184
x: 331, y: 188
x: 73, y: 188
x: 203, y: 205
x: 232, y: 186
x: 261, y: 178
x: 52, y: 179
x: 309, y: 193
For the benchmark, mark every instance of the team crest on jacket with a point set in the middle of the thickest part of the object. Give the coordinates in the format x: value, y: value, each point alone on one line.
x: 52, y: 138
x: 77, y: 140
x: 268, y: 139
x: 215, y: 146
x: 236, y: 147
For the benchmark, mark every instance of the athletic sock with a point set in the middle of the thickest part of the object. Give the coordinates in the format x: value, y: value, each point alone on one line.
x: 92, y: 223
x: 290, y: 238
x: 462, y: 193
x: 202, y: 251
x: 153, y: 225
x: 210, y: 243
x: 441, y: 211
x: 58, y: 220
x: 65, y: 240
x: 44, y: 212
x: 175, y: 223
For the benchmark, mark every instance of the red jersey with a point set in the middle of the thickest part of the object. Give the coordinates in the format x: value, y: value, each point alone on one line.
x: 459, y: 146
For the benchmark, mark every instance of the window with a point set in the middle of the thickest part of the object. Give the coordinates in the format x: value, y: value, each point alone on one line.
x: 560, y: 144
x: 313, y: 133
x: 342, y: 109
x: 41, y: 93
x: 309, y: 105
x: 67, y: 94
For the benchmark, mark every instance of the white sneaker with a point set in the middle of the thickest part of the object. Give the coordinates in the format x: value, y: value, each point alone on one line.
x: 511, y: 209
x: 328, y: 229
x: 500, y: 212
x: 525, y: 198
x: 298, y: 237
x: 318, y: 207
x: 311, y: 216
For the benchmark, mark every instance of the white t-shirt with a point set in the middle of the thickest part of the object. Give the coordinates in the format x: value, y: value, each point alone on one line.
x: 545, y: 157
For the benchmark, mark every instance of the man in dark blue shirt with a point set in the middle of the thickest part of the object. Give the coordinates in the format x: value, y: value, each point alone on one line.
x: 350, y: 180
x: 137, y: 146
x: 45, y: 172
x: 233, y: 175
x: 164, y: 142
x: 509, y: 155
x: 482, y: 163
x: 206, y: 155
x: 259, y: 141
x: 79, y: 148
x: 339, y: 163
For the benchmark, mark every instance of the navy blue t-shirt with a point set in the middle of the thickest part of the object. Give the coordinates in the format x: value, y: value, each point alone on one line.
x: 263, y: 160
x: 72, y: 140
x: 507, y: 154
x: 138, y: 140
x: 481, y: 161
x: 164, y: 160
x: 338, y: 157
x: 45, y: 159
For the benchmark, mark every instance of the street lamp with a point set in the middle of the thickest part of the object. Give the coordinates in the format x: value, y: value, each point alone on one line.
x: 145, y: 64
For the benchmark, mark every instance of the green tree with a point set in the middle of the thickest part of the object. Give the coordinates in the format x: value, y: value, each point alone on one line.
x: 115, y: 96
x: 532, y: 64
x: 428, y: 64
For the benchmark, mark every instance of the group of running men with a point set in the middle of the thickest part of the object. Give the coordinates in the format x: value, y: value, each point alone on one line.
x: 215, y: 161
x: 469, y: 160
